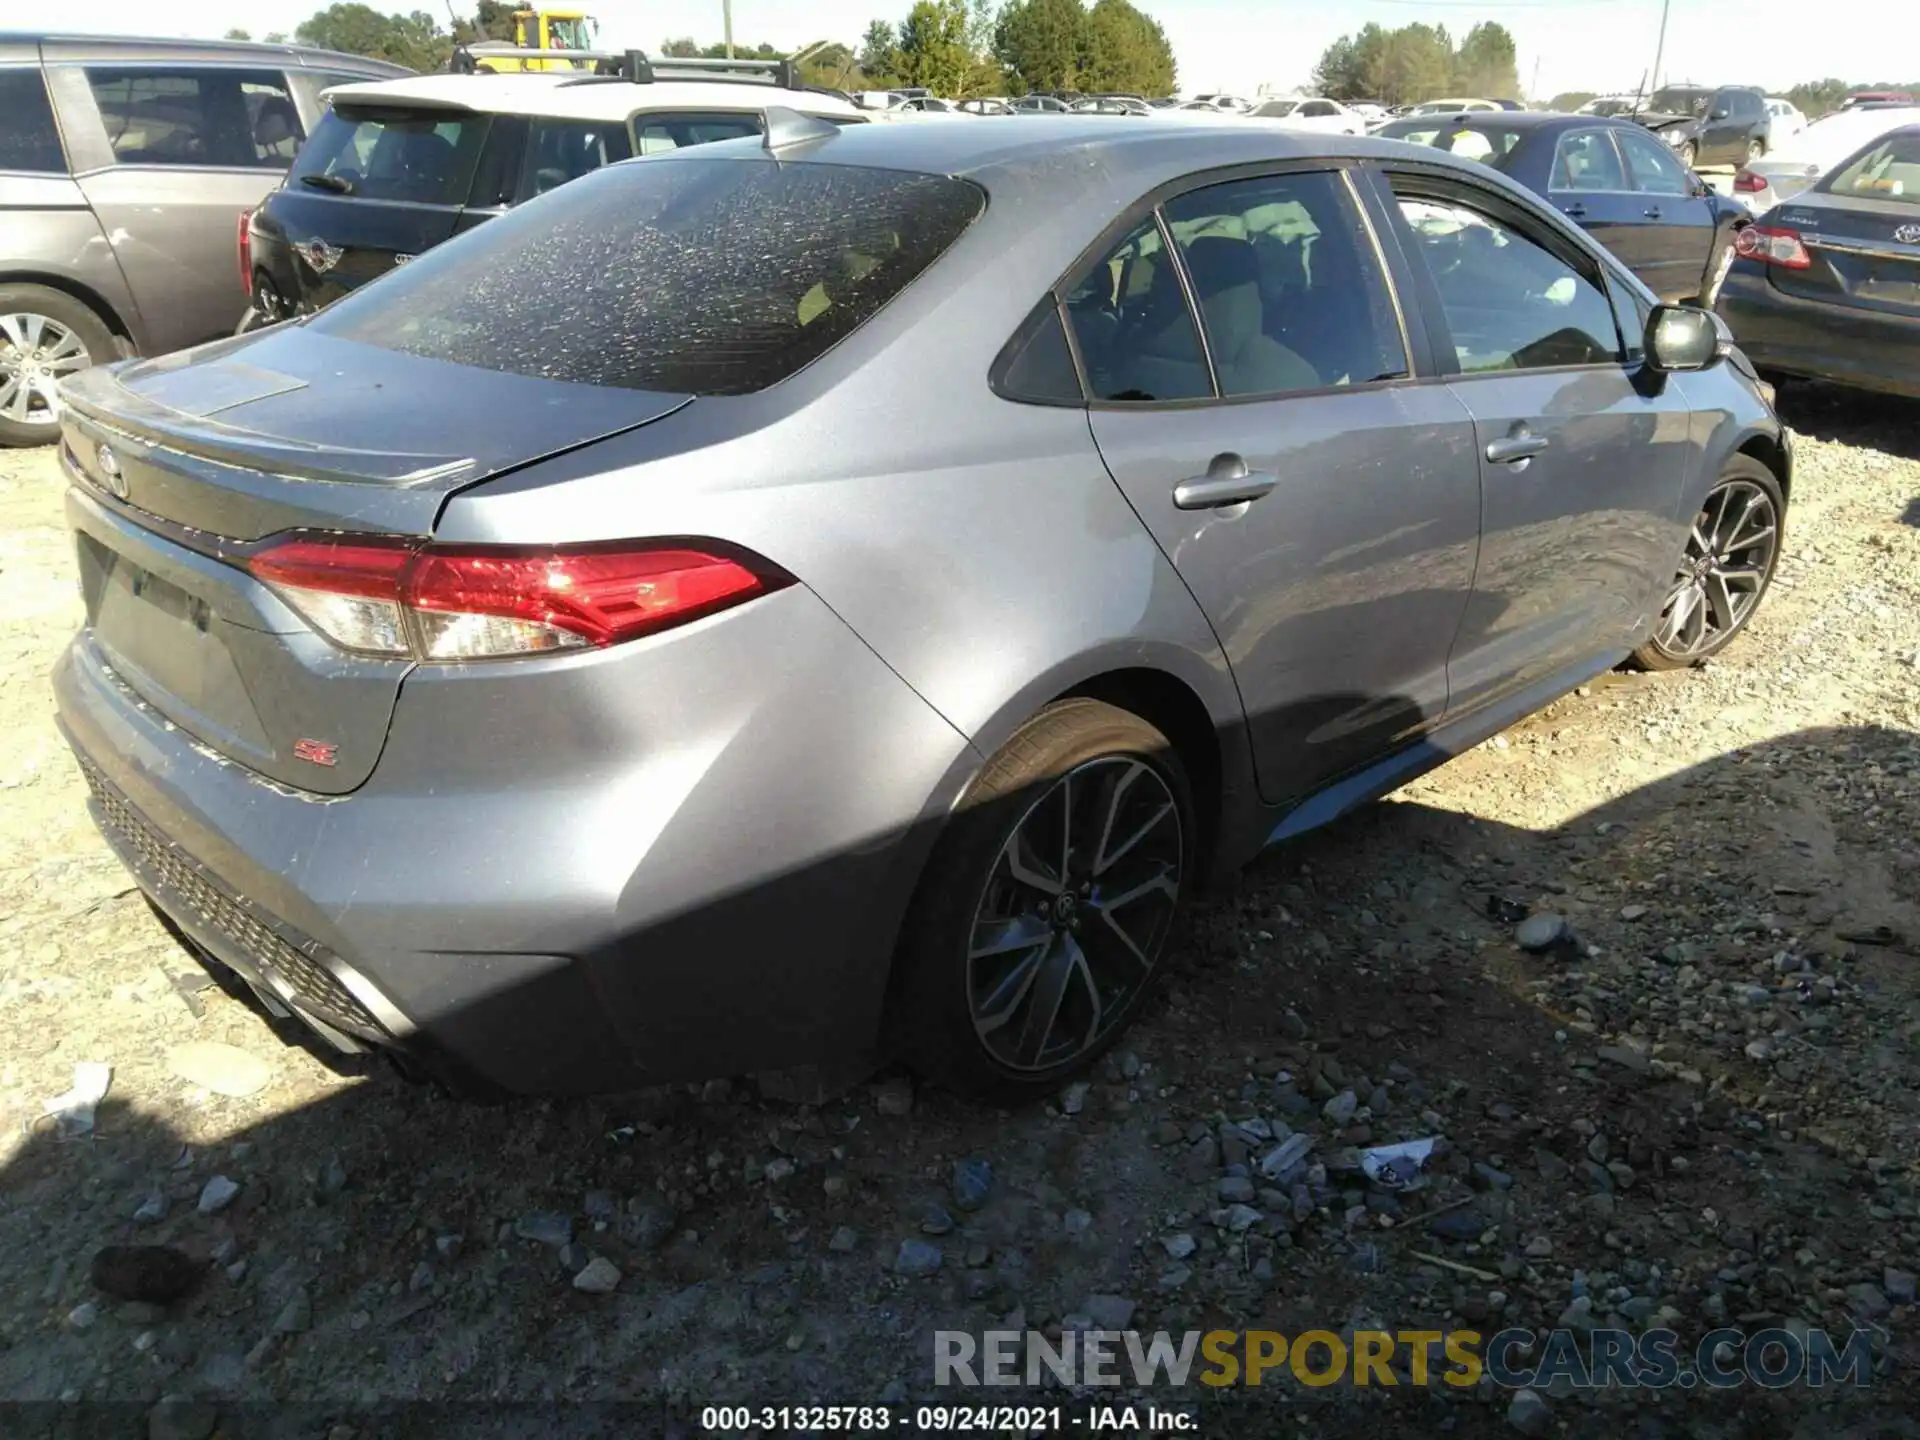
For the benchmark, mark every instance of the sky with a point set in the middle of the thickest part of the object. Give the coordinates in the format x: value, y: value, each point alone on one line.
x: 1240, y: 46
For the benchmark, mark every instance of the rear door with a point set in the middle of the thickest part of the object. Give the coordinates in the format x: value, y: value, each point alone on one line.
x: 1321, y: 503
x: 1588, y: 184
x: 1583, y: 464
x: 373, y: 184
x: 1679, y: 226
x: 191, y: 146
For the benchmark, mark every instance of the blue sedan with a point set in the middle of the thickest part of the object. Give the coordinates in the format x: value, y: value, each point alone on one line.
x: 1613, y: 179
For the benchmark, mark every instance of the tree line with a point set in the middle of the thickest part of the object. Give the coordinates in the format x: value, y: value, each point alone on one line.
x: 1419, y: 62
x: 952, y: 47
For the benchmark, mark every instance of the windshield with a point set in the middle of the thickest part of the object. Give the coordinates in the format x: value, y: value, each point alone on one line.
x: 572, y: 34
x: 1889, y: 171
x: 691, y: 277
x: 1680, y: 101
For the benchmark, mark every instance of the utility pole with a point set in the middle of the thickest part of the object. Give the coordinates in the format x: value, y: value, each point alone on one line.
x: 726, y: 19
x: 1660, y: 50
x: 1533, y: 91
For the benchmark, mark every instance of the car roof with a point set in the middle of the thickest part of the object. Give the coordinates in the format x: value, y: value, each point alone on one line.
x: 61, y: 45
x: 580, y: 96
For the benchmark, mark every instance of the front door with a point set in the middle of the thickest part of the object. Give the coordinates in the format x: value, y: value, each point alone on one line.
x: 194, y: 146
x: 1679, y: 226
x: 1323, y: 508
x: 1583, y: 466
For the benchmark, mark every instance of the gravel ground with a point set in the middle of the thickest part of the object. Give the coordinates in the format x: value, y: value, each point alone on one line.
x: 1697, y: 1106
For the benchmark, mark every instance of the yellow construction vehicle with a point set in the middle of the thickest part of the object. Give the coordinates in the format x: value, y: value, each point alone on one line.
x: 542, y: 32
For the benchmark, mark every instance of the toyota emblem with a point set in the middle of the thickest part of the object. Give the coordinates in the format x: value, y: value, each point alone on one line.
x: 110, y: 469
x: 1908, y: 234
x: 319, y: 254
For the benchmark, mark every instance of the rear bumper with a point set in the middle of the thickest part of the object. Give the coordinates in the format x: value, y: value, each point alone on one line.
x: 1818, y: 341
x: 535, y: 886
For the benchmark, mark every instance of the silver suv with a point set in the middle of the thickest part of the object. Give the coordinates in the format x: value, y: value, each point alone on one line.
x: 126, y: 167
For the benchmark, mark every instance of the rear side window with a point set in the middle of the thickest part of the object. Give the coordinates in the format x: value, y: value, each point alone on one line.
x: 563, y: 150
x: 28, y: 139
x: 690, y: 276
x: 657, y: 134
x: 183, y: 115
x: 425, y: 156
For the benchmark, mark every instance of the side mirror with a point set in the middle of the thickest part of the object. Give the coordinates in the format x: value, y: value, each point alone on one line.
x: 1681, y: 338
x: 1720, y: 114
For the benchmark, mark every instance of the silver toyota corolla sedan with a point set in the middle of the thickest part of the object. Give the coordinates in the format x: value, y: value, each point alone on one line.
x: 843, y: 591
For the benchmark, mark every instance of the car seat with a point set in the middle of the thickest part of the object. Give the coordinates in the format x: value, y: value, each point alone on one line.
x: 1226, y: 279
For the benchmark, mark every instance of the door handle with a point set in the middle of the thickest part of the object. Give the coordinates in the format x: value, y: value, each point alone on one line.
x: 1517, y: 448
x: 1652, y: 212
x: 1227, y: 482
x: 1576, y: 211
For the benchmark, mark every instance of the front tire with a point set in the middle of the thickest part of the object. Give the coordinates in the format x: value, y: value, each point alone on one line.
x: 1688, y: 153
x: 1756, y: 150
x: 1732, y: 549
x: 1039, y: 926
x: 45, y: 336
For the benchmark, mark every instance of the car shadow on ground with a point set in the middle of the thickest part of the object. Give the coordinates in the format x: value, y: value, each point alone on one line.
x: 389, y: 1243
x: 1852, y: 417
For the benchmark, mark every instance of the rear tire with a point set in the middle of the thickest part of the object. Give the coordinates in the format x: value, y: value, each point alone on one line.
x: 1038, y: 930
x: 1756, y: 150
x: 1719, y: 584
x: 45, y: 336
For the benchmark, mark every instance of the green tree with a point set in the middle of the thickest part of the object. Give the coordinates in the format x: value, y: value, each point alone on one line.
x: 1821, y: 97
x: 1041, y: 43
x: 880, y: 53
x: 236, y: 33
x: 1486, y: 64
x: 683, y: 47
x: 1571, y: 99
x: 276, y: 37
x: 933, y: 46
x: 414, y: 40
x: 1125, y: 51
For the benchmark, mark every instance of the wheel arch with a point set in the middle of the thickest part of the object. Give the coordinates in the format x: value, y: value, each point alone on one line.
x: 108, y: 313
x: 1772, y: 451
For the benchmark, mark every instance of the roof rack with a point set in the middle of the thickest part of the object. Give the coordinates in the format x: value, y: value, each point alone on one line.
x: 634, y: 65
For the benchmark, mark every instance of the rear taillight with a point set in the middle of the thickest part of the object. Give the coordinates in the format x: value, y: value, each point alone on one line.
x: 245, y: 244
x: 1745, y: 182
x: 489, y: 602
x: 1772, y: 246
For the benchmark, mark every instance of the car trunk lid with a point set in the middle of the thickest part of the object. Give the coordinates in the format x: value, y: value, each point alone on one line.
x: 184, y: 468
x: 1865, y: 253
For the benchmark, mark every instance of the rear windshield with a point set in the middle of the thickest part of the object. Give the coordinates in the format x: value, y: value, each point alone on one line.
x: 700, y: 277
x: 1889, y: 171
x: 1488, y: 144
x: 426, y: 156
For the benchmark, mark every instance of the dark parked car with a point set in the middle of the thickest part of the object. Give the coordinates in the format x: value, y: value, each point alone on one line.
x: 1611, y: 177
x: 544, y: 662
x: 1827, y: 284
x: 398, y: 166
x: 1708, y: 126
x: 125, y: 167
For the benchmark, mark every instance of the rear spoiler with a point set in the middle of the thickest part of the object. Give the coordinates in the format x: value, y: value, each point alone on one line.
x: 635, y: 66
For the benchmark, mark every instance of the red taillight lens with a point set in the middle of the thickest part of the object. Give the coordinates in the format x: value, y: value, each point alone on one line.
x: 1748, y: 183
x: 245, y: 244
x: 1772, y: 246
x: 487, y: 602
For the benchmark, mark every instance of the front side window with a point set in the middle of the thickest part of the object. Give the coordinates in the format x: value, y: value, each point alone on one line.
x: 423, y: 156
x: 1889, y: 171
x: 1656, y: 170
x: 29, y: 140
x: 563, y: 150
x: 1509, y: 302
x: 686, y: 276
x: 1135, y: 331
x: 657, y: 134
x: 1586, y: 160
x: 187, y: 115
x: 1291, y: 291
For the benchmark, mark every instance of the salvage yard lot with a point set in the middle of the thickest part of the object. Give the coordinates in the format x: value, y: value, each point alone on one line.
x: 1706, y: 1112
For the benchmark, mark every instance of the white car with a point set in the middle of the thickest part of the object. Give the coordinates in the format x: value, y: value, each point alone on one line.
x: 1784, y: 121
x: 1796, y: 165
x: 878, y: 99
x: 1112, y: 105
x: 1453, y: 107
x: 1227, y: 104
x: 1329, y: 117
x: 985, y: 105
